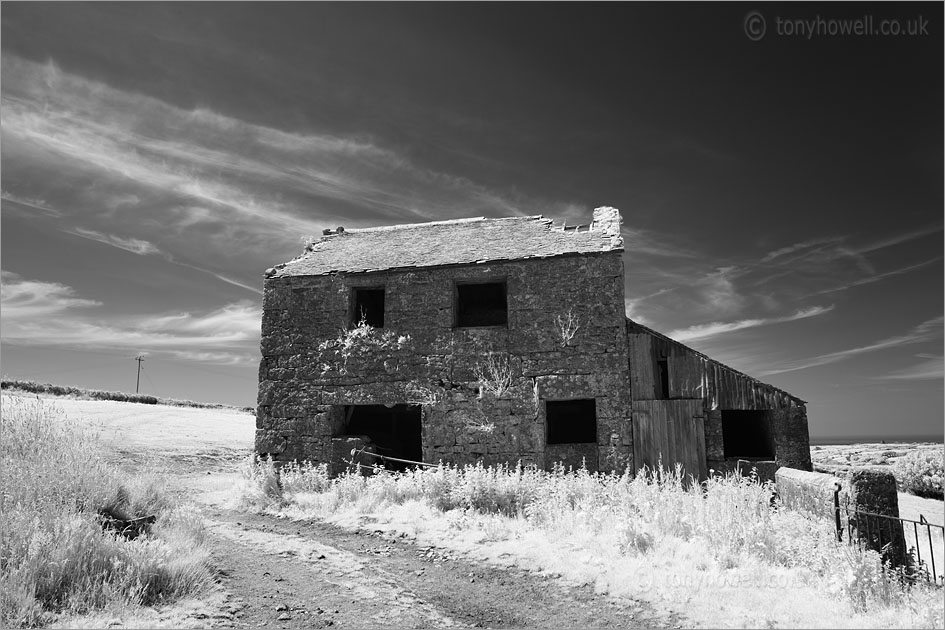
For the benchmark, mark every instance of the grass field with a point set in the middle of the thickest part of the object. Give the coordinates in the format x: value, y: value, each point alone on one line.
x: 55, y: 557
x: 723, y: 556
x: 723, y: 560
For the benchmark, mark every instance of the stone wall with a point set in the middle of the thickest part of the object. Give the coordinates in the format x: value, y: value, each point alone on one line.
x: 791, y: 437
x: 874, y: 492
x: 809, y: 491
x: 865, y: 498
x: 311, y: 369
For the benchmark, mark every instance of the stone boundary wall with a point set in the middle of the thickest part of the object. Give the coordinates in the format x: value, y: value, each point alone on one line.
x: 875, y: 491
x: 863, y: 489
x: 808, y: 491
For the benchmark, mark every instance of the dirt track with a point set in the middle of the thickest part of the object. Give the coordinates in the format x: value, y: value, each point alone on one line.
x: 298, y: 575
x: 275, y: 572
x: 282, y: 573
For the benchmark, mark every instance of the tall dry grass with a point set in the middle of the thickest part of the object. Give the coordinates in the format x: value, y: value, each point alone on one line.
x: 54, y: 555
x: 722, y: 541
x: 922, y: 473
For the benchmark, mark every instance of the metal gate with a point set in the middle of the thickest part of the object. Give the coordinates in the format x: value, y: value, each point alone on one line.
x: 919, y: 545
x: 668, y: 432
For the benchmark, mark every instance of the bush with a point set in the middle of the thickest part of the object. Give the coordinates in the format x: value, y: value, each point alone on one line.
x: 78, y: 392
x: 921, y: 473
x: 54, y: 555
x: 95, y: 394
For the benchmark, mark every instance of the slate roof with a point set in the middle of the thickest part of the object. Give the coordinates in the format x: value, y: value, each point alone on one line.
x: 463, y: 241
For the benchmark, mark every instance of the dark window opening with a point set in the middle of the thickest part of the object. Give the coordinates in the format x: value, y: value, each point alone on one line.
x: 394, y: 430
x: 662, y: 370
x: 747, y: 434
x: 571, y: 421
x: 481, y: 304
x: 368, y: 305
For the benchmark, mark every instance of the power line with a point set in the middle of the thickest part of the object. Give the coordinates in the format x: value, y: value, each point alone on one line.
x: 139, y: 359
x: 153, y: 388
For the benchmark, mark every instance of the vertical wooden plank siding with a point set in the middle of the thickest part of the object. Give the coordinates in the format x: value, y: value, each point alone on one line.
x: 685, y: 376
x: 642, y: 378
x: 668, y: 432
x: 671, y: 424
x: 698, y: 430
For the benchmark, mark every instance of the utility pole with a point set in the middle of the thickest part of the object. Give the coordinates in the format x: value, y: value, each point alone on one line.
x: 139, y: 359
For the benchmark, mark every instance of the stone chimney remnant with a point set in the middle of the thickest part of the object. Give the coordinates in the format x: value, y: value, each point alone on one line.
x: 607, y: 220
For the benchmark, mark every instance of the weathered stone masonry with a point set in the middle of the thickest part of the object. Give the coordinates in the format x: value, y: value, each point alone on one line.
x: 297, y: 394
x: 565, y: 338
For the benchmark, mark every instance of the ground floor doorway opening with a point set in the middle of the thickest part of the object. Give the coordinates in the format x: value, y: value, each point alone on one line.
x: 393, y: 429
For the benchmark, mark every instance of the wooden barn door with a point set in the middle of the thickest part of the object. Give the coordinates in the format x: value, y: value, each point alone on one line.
x: 671, y: 431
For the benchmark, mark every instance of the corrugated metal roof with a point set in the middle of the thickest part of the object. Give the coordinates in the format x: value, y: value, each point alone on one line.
x: 464, y: 241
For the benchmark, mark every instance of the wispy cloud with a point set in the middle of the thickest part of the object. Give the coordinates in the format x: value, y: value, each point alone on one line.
x: 719, y: 292
x: 703, y: 331
x: 834, y: 247
x: 145, y: 248
x: 29, y: 299
x: 680, y: 293
x: 49, y: 314
x: 15, y: 201
x: 898, y: 239
x: 932, y: 369
x: 877, y: 277
x: 256, y: 177
x: 632, y: 310
x: 926, y: 331
x: 652, y: 243
x: 220, y: 358
x: 802, y: 246
x: 133, y: 245
x: 218, y: 276
x: 814, y: 254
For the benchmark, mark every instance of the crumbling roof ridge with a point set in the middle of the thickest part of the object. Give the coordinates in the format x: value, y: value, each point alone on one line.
x: 407, y: 226
x: 449, y: 242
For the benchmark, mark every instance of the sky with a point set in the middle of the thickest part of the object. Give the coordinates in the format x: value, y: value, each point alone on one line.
x: 782, y: 195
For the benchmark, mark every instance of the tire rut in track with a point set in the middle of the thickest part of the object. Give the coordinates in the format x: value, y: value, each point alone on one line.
x: 309, y: 574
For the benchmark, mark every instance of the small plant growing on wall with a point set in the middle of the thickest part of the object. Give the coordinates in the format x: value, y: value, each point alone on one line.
x: 429, y: 395
x: 361, y: 341
x: 479, y: 425
x: 422, y: 395
x: 567, y: 327
x: 494, y: 374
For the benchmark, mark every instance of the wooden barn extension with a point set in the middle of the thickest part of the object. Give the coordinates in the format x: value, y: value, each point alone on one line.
x: 691, y: 409
x: 497, y: 340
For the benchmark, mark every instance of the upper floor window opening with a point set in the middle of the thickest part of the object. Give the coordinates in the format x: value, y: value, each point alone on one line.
x: 481, y: 304
x: 367, y: 305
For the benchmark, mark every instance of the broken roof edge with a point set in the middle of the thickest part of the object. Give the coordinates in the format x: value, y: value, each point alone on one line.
x: 273, y: 272
x: 650, y: 331
x: 521, y: 238
x: 405, y: 226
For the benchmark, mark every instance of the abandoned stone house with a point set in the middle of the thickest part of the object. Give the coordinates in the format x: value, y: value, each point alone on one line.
x: 496, y: 340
